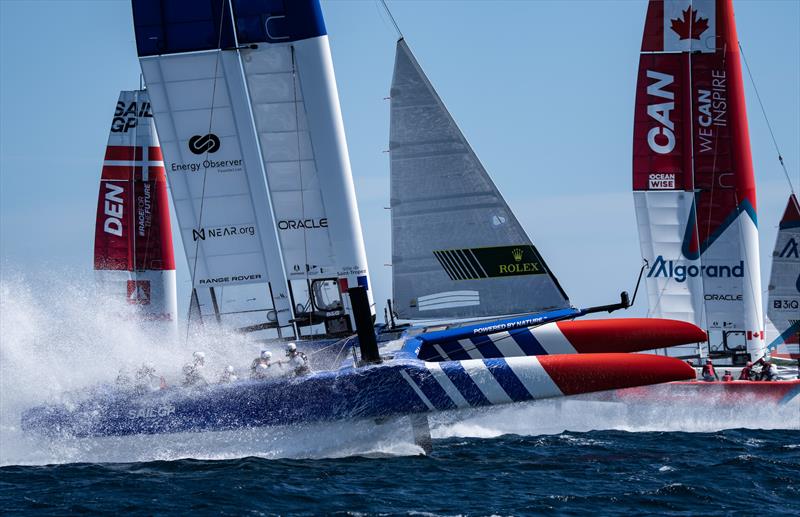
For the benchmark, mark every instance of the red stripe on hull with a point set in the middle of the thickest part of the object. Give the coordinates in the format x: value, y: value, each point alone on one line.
x: 629, y: 334
x: 575, y: 374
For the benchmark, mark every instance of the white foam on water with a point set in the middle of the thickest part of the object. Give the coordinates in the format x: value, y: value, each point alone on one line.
x: 558, y: 416
x: 58, y: 337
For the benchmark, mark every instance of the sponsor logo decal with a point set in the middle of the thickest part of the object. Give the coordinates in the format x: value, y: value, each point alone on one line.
x: 113, y: 208
x: 661, y: 181
x: 138, y: 292
x: 791, y: 250
x: 305, y: 224
x: 144, y: 210
x: 661, y: 138
x: 500, y: 261
x: 200, y: 144
x: 207, y: 164
x: 785, y: 304
x: 222, y: 231
x: 689, y: 26
x: 127, y: 115
x: 152, y: 412
x: 712, y: 107
x: 227, y: 279
x: 680, y: 272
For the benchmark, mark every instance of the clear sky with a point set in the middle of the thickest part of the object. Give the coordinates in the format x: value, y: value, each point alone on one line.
x: 543, y: 90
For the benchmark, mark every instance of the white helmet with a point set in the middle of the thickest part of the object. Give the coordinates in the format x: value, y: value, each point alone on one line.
x: 199, y: 357
x: 291, y: 348
x: 266, y: 354
x: 229, y: 369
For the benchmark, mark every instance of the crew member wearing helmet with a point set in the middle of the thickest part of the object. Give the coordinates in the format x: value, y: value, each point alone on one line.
x: 192, y: 372
x: 228, y: 375
x: 297, y: 361
x: 261, y: 368
x: 709, y: 374
x: 147, y: 380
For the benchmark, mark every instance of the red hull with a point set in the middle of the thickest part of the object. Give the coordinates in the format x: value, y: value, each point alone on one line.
x: 722, y: 393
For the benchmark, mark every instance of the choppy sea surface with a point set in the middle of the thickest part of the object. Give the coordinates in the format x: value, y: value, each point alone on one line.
x: 563, y: 458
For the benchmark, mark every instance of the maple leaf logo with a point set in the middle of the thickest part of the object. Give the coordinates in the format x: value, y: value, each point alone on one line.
x: 690, y: 26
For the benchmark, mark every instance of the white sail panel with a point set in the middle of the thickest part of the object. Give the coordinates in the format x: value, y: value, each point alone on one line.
x: 280, y: 118
x: 452, y: 231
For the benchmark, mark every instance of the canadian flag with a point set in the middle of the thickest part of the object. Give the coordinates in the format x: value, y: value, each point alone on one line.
x: 689, y: 25
x: 755, y: 335
x: 139, y: 292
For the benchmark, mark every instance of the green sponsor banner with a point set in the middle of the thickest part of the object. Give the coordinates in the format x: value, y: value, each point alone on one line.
x: 495, y: 262
x: 509, y: 261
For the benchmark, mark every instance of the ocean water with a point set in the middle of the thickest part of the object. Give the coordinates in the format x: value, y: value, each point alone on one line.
x: 569, y: 457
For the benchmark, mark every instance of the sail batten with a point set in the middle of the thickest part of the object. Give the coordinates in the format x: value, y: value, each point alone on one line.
x: 457, y: 249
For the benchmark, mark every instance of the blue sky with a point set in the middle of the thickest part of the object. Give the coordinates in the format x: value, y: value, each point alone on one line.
x: 543, y: 90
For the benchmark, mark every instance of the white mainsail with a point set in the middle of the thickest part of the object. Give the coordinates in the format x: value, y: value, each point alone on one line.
x: 245, y: 99
x: 457, y: 249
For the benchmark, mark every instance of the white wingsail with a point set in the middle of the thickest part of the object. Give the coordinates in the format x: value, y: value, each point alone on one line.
x: 245, y: 99
x: 457, y: 249
x: 783, y: 303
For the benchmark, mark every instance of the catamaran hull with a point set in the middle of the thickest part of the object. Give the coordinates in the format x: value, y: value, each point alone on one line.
x: 379, y: 391
x: 701, y: 393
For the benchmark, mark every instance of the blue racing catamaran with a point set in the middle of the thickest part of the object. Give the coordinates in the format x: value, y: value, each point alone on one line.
x: 245, y: 102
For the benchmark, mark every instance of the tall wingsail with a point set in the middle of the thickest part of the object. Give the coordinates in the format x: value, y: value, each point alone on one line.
x: 451, y: 228
x: 245, y: 98
x: 693, y: 182
x: 133, y: 257
x: 783, y: 303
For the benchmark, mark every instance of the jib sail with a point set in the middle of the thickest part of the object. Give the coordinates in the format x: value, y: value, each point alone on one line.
x: 783, y: 303
x: 457, y: 249
x: 133, y: 257
x: 693, y: 182
x: 245, y: 97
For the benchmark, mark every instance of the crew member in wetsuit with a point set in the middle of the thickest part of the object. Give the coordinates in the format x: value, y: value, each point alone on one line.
x: 709, y: 374
x: 297, y: 361
x: 228, y: 375
x: 192, y: 372
x: 769, y: 372
x: 262, y: 368
x: 728, y: 377
x: 746, y: 374
x: 147, y: 380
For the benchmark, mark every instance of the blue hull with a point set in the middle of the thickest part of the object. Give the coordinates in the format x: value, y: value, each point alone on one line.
x: 346, y: 394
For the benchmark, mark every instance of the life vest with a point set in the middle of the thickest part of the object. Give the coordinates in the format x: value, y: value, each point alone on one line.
x: 727, y: 377
x: 708, y: 371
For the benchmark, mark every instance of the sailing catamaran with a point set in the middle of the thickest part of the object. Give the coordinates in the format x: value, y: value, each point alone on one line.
x: 694, y: 192
x: 133, y: 257
x: 245, y: 100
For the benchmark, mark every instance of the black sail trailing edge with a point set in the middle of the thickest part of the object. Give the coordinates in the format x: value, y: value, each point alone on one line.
x: 457, y: 249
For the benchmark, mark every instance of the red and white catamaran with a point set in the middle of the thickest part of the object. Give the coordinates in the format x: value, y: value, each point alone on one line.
x: 695, y: 197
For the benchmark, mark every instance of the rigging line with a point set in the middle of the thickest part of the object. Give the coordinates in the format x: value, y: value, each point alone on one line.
x: 295, y: 80
x: 205, y: 170
x: 766, y: 119
x: 396, y: 27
